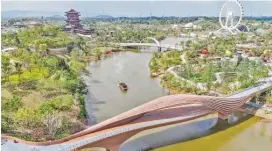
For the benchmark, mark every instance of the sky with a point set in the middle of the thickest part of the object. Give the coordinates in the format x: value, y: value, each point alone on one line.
x: 131, y: 8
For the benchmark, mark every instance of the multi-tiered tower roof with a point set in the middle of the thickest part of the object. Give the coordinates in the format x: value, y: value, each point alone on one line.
x: 72, y: 21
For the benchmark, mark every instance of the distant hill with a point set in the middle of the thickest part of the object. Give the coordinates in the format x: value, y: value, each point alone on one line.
x: 104, y: 16
x: 60, y: 15
x: 22, y: 14
x: 55, y: 18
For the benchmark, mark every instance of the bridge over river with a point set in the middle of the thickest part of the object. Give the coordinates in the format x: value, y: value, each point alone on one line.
x: 156, y: 43
x: 164, y: 111
x: 167, y: 46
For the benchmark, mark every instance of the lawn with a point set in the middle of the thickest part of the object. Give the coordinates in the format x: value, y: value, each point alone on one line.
x: 35, y: 74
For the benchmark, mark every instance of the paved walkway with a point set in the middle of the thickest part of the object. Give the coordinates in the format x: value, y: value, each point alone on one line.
x: 265, y: 84
x: 8, y: 49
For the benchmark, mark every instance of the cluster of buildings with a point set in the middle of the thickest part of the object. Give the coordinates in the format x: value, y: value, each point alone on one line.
x: 187, y: 26
x: 19, y: 25
x: 72, y: 24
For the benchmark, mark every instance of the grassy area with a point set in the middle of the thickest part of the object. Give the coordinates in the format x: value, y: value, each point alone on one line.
x: 178, y: 86
x: 103, y: 49
x: 35, y: 74
x: 161, y: 61
x: 198, y: 73
x: 133, y: 50
x: 233, y: 77
x: 26, y: 107
x: 42, y: 95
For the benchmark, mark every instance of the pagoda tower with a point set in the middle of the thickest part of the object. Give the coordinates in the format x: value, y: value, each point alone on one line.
x: 72, y: 21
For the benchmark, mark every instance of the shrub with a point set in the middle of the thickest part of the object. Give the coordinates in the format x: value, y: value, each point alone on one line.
x: 46, y: 108
x: 82, y: 112
x: 76, y: 86
x: 6, y: 121
x: 29, y: 118
x: 12, y: 105
x: 56, y: 104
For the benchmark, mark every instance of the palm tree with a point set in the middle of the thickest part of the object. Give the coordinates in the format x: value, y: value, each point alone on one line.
x: 26, y: 60
x: 18, y: 67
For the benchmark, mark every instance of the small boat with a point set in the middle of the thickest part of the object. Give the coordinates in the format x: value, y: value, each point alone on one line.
x: 123, y: 86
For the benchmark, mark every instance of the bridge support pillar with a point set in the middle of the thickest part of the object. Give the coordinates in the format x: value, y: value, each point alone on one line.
x: 159, y: 49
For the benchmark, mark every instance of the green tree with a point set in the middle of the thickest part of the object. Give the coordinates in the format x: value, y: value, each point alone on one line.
x: 51, y: 63
x: 208, y: 76
x: 242, y: 37
x: 97, y: 53
x: 74, y: 54
x: 5, y: 66
x: 18, y: 67
x: 25, y: 57
x: 43, y: 48
x: 42, y: 64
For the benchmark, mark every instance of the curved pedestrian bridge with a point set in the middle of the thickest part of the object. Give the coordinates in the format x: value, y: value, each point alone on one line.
x: 164, y: 111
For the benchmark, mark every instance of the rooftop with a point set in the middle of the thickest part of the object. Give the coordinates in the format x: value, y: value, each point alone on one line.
x: 72, y: 11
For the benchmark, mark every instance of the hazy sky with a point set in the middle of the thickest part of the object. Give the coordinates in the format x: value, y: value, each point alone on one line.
x: 137, y: 8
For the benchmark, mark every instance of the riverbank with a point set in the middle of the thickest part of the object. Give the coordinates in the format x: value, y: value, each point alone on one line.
x: 176, y: 86
x: 264, y: 112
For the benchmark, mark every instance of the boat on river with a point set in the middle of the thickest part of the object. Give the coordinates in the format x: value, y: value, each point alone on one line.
x: 123, y: 86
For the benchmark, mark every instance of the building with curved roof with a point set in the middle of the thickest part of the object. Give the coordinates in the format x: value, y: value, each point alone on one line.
x: 243, y: 28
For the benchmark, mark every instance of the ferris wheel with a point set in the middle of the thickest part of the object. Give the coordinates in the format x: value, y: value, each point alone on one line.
x: 230, y: 16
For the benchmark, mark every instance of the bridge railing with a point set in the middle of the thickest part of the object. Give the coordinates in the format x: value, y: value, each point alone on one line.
x: 258, y: 86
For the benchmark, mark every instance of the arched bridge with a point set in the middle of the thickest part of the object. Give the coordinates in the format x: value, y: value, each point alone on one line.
x: 167, y: 110
x: 176, y: 47
x: 155, y: 44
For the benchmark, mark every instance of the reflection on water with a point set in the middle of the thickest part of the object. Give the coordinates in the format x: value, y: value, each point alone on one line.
x: 162, y: 136
x: 250, y: 135
x: 105, y: 100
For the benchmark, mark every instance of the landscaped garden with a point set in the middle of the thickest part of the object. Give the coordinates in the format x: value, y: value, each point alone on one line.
x: 212, y: 65
x: 224, y: 76
x: 42, y: 93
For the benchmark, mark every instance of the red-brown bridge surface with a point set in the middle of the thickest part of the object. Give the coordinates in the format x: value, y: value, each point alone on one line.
x: 163, y: 111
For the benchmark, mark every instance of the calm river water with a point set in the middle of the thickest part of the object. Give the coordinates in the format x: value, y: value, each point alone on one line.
x: 249, y: 135
x: 106, y: 100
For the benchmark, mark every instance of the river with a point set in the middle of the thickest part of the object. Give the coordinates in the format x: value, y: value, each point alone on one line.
x: 252, y: 134
x: 106, y: 100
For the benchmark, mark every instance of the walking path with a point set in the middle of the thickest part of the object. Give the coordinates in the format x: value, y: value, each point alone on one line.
x: 252, y: 90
